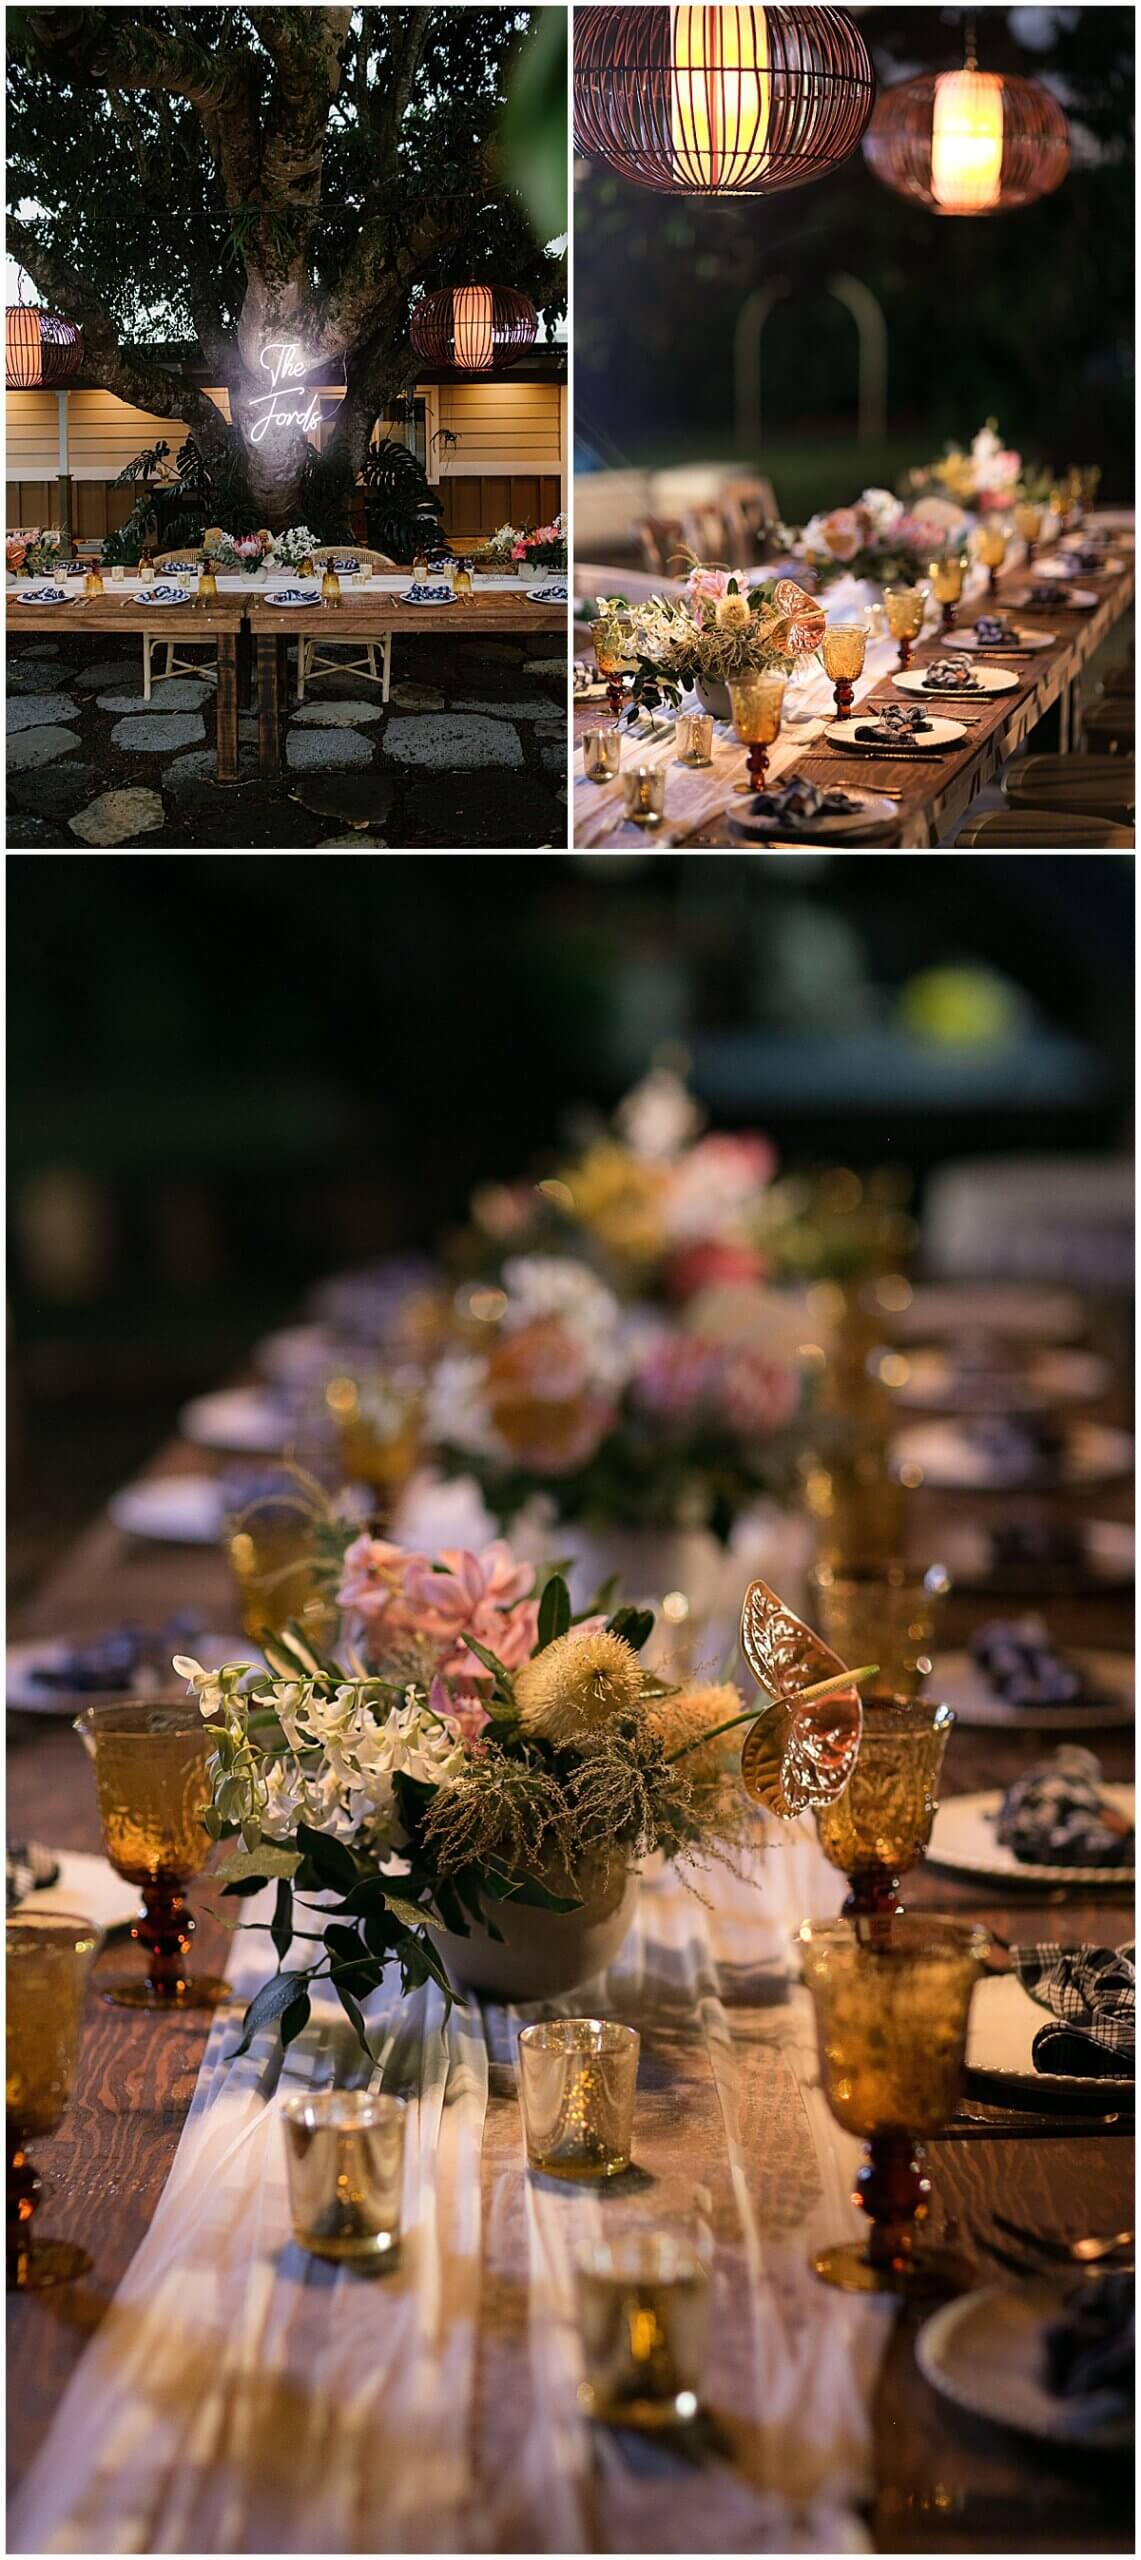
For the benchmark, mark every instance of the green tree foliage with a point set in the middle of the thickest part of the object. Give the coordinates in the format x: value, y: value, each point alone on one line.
x: 209, y: 177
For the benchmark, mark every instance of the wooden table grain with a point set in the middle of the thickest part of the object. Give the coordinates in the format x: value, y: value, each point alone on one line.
x: 931, y: 795
x: 944, y: 2482
x: 121, y: 613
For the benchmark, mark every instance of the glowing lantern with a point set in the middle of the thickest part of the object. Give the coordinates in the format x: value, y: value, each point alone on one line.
x: 475, y: 327
x: 966, y: 142
x: 40, y: 349
x: 969, y: 141
x: 733, y: 101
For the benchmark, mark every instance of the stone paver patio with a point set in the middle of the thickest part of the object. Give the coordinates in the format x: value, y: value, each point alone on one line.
x: 470, y: 751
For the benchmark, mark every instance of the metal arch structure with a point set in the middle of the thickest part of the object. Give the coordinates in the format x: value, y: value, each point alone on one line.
x: 871, y: 326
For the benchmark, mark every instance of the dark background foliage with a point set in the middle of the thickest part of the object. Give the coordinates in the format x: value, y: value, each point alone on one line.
x: 1026, y: 315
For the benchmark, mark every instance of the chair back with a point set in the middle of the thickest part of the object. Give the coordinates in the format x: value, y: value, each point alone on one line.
x: 358, y: 551
x: 662, y: 539
x: 1037, y: 830
x: 1094, y: 786
x: 185, y: 553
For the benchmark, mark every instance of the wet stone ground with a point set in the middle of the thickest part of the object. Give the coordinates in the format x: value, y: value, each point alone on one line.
x: 469, y: 751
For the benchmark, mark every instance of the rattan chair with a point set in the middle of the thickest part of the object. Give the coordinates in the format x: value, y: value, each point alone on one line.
x: 1108, y: 724
x: 186, y: 559
x: 663, y: 541
x: 315, y: 658
x: 1091, y: 786
x: 1041, y: 830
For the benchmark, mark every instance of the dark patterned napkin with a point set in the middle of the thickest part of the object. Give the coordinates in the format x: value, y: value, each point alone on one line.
x: 1092, y: 1993
x: 28, y: 1867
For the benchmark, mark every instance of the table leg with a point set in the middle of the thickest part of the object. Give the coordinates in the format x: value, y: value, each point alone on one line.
x: 271, y: 685
x: 227, y: 706
x: 245, y: 666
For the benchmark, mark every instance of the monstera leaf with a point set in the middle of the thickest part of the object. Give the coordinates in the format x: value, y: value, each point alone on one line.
x: 804, y: 1745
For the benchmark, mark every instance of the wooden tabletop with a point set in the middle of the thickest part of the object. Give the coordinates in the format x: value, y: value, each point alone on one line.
x: 944, y: 2482
x: 359, y: 612
x: 930, y: 794
x: 117, y: 610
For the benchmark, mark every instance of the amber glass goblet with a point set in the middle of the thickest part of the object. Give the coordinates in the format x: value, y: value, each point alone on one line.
x: 991, y: 546
x: 757, y: 703
x: 857, y: 1507
x: 48, y: 1958
x: 150, y: 1758
x: 1090, y: 484
x: 1028, y: 523
x: 892, y: 1997
x: 270, y: 1544
x: 378, y: 1416
x: 612, y: 634
x: 880, y: 1826
x: 947, y: 575
x: 844, y: 651
x: 891, y: 1602
x: 905, y: 608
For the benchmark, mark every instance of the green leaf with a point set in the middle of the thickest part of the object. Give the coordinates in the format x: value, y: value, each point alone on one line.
x: 604, y: 1597
x: 245, y: 1886
x: 635, y: 1625
x: 491, y: 1662
x: 554, y: 1612
x: 295, y: 2018
x: 354, y: 2015
x: 335, y: 1864
x: 281, y: 1925
x: 269, y: 2003
x: 408, y: 1912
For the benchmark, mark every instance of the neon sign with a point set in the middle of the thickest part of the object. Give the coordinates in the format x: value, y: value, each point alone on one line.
x: 284, y: 360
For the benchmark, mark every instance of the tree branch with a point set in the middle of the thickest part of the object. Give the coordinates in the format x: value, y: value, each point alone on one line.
x: 116, y: 368
x: 100, y: 48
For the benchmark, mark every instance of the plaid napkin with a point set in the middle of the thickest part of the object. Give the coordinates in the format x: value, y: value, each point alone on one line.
x: 27, y: 1866
x: 1092, y: 1992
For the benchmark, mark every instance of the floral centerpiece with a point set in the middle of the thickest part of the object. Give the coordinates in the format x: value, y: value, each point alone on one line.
x: 35, y: 553
x: 479, y: 1754
x: 989, y: 476
x: 236, y: 553
x: 513, y: 547
x: 618, y: 1417
x: 291, y: 549
x: 723, y: 627
x: 875, y: 538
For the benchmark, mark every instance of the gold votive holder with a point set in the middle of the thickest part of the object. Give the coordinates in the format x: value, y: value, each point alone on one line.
x: 344, y: 2151
x: 601, y: 755
x: 643, y: 2317
x: 888, y: 1607
x: 644, y: 792
x: 891, y: 1997
x: 879, y: 1828
x: 151, y: 1759
x: 695, y: 738
x: 577, y: 2078
x: 48, y: 1957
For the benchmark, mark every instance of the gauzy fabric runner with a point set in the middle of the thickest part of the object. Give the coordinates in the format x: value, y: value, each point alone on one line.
x: 243, y: 2397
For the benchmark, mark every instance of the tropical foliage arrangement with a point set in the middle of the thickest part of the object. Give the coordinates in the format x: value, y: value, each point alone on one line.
x: 478, y: 1746
x: 35, y: 553
x: 724, y: 627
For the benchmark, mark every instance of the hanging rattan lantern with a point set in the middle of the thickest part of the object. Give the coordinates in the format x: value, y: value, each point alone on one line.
x: 474, y: 327
x: 40, y: 349
x: 720, y: 102
x: 969, y: 141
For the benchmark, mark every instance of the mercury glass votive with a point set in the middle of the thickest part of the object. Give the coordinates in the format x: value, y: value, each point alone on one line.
x: 891, y: 1997
x: 879, y: 1828
x: 947, y: 575
x: 151, y: 1778
x: 1028, y: 523
x: 695, y: 738
x: 889, y: 1608
x: 905, y: 608
x: 644, y: 792
x: 601, y: 754
x: 757, y: 703
x: 577, y: 2078
x: 844, y: 650
x: 344, y: 2150
x: 643, y: 2318
x: 48, y: 1958
x: 991, y: 547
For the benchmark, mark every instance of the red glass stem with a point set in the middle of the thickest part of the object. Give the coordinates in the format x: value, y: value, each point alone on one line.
x: 872, y: 1891
x: 615, y: 696
x: 1029, y: 554
x: 164, y: 1929
x: 893, y: 2189
x: 948, y: 620
x: 843, y: 695
x: 25, y: 2187
x: 758, y: 766
x: 905, y: 649
x: 992, y: 582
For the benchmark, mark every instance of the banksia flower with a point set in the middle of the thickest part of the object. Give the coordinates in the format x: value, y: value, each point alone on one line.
x: 680, y: 1719
x: 577, y: 1684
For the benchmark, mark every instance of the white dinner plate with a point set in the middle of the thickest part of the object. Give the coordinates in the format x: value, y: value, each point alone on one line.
x: 936, y: 1382
x: 243, y: 1421
x: 986, y: 2351
x: 293, y: 595
x: 942, y: 733
x: 299, y: 1355
x: 1092, y: 1453
x: 1107, y: 1561
x: 1068, y: 599
x: 1055, y: 566
x: 1027, y: 639
x: 162, y: 595
x: 556, y: 592
x: 873, y: 811
x: 937, y: 1310
x: 1004, y: 2021
x: 41, y: 595
x: 958, y: 1680
x: 440, y: 595
x: 963, y: 1837
x: 23, y: 1693
x: 986, y: 680
x: 181, y: 1510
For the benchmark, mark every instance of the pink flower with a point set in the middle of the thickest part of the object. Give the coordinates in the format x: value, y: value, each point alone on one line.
x: 418, y: 1607
x: 676, y: 1377
x: 757, y: 1395
x: 707, y: 586
x: 842, y: 532
x: 519, y: 551
x: 713, y: 1261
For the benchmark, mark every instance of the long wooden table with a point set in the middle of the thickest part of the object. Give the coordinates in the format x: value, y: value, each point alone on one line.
x: 944, y: 2482
x: 373, y: 616
x: 121, y: 614
x: 930, y: 795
